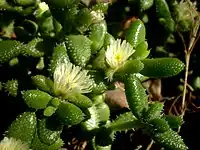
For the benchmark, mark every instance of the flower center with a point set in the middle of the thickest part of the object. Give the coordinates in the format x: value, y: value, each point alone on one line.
x: 118, y: 58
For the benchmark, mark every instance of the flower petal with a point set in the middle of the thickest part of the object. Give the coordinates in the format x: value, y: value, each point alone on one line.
x: 116, y: 55
x: 13, y: 144
x: 70, y: 78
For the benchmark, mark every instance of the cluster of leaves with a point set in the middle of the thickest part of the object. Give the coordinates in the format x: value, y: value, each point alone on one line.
x: 77, y: 61
x: 162, y: 18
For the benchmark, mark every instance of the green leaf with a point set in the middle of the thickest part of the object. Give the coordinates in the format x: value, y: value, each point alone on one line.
x: 164, y: 15
x: 162, y: 67
x: 170, y: 140
x: 104, y: 137
x: 99, y: 61
x: 69, y: 114
x: 47, y: 25
x: 7, y: 28
x: 154, y: 111
x: 48, y: 132
x: 136, y: 33
x: 49, y: 111
x: 55, y: 102
x: 125, y: 122
x: 30, y: 26
x: 141, y: 77
x: 24, y: 2
x: 97, y: 147
x: 108, y: 40
x: 159, y: 125
x: 37, y: 144
x: 40, y: 65
x: 103, y: 112
x: 136, y: 95
x: 79, y: 49
x: 9, y: 49
x: 99, y: 84
x: 36, y: 99
x: 34, y: 48
x: 97, y: 35
x: 98, y: 99
x: 174, y: 121
x: 130, y: 67
x: 59, y: 56
x: 93, y: 122
x: 17, y: 9
x: 101, y: 6
x: 43, y: 83
x: 83, y: 20
x: 11, y: 87
x: 61, y: 3
x: 79, y: 100
x: 145, y: 4
x: 13, y: 62
x: 68, y: 18
x: 23, y: 128
x: 141, y: 52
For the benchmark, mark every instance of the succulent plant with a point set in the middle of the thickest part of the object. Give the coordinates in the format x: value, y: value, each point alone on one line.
x: 78, y: 60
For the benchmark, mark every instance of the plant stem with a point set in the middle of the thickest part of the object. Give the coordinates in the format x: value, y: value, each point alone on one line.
x: 187, y: 61
x: 195, y: 34
x: 150, y: 145
x: 138, y: 147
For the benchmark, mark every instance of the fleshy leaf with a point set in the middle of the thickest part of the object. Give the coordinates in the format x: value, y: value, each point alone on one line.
x: 43, y: 83
x: 136, y: 33
x: 170, y: 140
x: 9, y: 49
x: 79, y: 100
x: 136, y: 95
x: 48, y: 132
x: 141, y: 52
x: 78, y: 49
x: 124, y: 122
x: 174, y: 121
x: 36, y: 99
x: 59, y: 56
x: 164, y: 15
x: 11, y: 87
x: 162, y: 67
x: 97, y: 35
x: 26, y: 122
x: 69, y: 114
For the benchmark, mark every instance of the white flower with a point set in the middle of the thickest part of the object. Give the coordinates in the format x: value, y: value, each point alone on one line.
x: 97, y: 16
x: 117, y: 54
x: 69, y: 78
x: 13, y: 144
